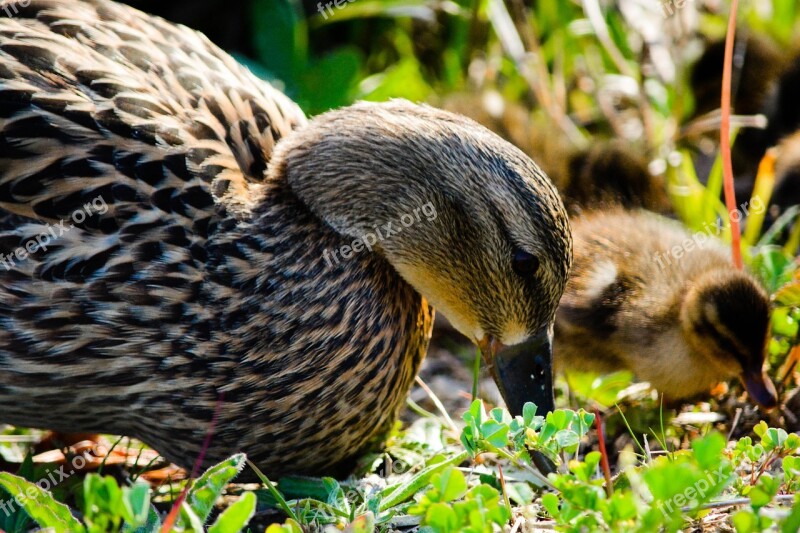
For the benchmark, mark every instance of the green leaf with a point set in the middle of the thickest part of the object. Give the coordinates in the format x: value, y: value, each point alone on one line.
x: 495, y: 433
x: 393, y: 496
x: 290, y: 526
x: 603, y: 389
x: 402, y: 80
x: 40, y: 505
x: 237, y: 516
x: 708, y: 450
x: 745, y: 522
x: 189, y: 520
x: 529, y: 413
x: 451, y: 483
x: 520, y: 493
x: 764, y: 491
x: 210, y: 486
x: 568, y: 440
x: 152, y: 524
x: 791, y: 523
x: 442, y: 518
x: 137, y: 503
x: 551, y: 502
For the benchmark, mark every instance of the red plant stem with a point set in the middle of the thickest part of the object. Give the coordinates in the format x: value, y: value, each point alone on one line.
x: 725, y: 139
x: 503, y: 485
x: 601, y: 437
x: 172, y: 517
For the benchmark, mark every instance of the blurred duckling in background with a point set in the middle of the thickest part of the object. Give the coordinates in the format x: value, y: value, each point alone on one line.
x: 611, y: 173
x: 766, y: 81
x: 604, y: 173
x: 646, y: 295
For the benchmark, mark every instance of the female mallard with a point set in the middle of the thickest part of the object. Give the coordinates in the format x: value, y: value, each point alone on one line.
x: 174, y: 232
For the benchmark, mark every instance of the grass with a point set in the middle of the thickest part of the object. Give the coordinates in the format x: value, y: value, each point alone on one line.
x: 474, y: 470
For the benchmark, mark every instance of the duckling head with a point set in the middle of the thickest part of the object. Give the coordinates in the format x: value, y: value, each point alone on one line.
x: 465, y: 218
x: 725, y: 318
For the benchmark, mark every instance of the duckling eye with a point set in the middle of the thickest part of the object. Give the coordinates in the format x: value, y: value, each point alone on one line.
x: 525, y: 264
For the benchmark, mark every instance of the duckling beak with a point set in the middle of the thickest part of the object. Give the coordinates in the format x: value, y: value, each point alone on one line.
x: 523, y: 372
x: 760, y: 388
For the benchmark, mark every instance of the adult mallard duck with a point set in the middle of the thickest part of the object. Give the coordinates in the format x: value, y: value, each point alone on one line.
x: 648, y: 296
x: 174, y: 232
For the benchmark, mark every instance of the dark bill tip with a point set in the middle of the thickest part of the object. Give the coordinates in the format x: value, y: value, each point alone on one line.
x: 525, y: 373
x: 760, y: 388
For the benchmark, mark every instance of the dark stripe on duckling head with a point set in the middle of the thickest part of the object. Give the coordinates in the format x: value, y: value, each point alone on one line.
x: 738, y: 319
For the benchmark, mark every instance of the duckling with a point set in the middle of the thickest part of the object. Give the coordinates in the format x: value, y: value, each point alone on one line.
x: 766, y: 81
x: 611, y: 173
x: 759, y: 63
x: 646, y: 295
x: 178, y: 239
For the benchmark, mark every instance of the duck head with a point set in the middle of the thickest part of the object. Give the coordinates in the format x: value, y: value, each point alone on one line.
x: 725, y: 317
x: 464, y: 217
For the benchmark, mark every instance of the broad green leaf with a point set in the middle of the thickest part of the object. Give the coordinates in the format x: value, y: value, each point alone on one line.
x: 442, y: 518
x: 137, y: 500
x: 495, y: 433
x: 40, y: 505
x: 452, y: 484
x: 745, y: 522
x: 528, y: 413
x: 708, y: 450
x: 237, y: 516
x: 551, y: 502
x: 568, y: 440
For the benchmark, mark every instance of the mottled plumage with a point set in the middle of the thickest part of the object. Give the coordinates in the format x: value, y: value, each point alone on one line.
x: 646, y: 295
x: 200, y: 269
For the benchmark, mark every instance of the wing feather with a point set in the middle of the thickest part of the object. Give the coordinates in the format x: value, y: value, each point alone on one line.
x: 164, y: 132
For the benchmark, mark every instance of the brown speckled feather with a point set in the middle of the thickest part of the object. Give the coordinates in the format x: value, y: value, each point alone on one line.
x: 100, y: 101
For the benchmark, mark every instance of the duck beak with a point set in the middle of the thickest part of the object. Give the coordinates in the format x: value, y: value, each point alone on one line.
x: 523, y: 372
x: 760, y: 388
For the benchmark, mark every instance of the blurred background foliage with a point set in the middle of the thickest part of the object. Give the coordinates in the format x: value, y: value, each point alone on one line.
x: 550, y: 75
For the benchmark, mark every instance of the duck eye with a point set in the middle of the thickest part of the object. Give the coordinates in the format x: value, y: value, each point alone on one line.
x: 525, y: 264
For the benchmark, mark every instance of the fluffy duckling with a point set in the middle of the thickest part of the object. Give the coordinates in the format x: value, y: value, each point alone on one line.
x: 177, y: 239
x: 611, y: 173
x: 646, y: 295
